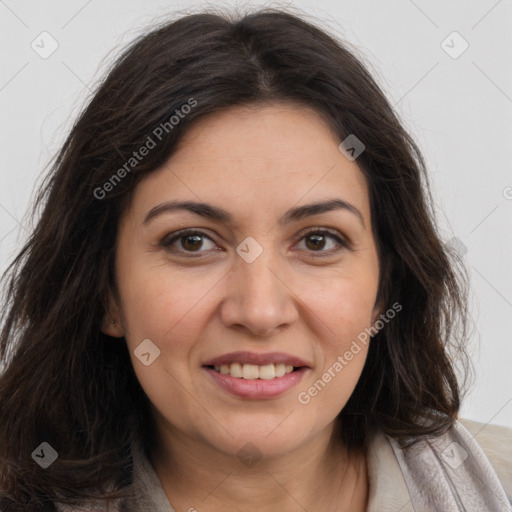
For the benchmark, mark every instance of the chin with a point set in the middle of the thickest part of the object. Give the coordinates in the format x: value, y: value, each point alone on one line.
x: 249, y: 438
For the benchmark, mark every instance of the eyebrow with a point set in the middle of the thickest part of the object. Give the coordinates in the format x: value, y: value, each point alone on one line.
x: 216, y: 213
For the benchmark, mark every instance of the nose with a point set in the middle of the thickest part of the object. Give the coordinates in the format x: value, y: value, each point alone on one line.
x: 260, y: 298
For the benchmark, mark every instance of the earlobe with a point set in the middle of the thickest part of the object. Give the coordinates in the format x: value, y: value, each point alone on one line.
x: 377, y: 311
x: 375, y: 315
x: 111, y: 327
x: 111, y: 323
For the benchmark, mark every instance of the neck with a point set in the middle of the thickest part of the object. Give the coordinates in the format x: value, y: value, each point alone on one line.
x: 316, y: 476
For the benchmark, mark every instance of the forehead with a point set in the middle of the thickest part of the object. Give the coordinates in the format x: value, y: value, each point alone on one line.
x: 279, y: 134
x: 257, y: 157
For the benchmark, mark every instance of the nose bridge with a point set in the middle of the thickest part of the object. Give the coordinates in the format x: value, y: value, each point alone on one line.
x: 257, y: 297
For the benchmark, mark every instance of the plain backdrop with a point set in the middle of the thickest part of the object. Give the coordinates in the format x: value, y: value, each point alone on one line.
x: 446, y: 66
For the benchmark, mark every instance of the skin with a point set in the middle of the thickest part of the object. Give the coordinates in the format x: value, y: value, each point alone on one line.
x: 255, y: 162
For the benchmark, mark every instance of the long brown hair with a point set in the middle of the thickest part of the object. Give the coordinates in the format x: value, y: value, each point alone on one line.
x: 68, y: 384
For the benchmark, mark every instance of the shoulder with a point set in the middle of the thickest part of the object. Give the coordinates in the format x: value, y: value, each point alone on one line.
x: 496, y: 442
x: 453, y: 471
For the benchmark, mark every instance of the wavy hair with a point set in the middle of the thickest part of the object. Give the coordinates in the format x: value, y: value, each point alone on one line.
x: 67, y: 383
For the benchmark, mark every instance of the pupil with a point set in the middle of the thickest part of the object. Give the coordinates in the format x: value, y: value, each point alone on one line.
x: 318, y: 238
x: 197, y: 239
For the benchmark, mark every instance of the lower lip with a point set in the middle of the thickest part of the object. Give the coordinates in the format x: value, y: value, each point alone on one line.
x: 257, y: 388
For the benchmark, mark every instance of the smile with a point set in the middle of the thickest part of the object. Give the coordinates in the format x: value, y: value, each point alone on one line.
x: 253, y: 371
x: 256, y: 375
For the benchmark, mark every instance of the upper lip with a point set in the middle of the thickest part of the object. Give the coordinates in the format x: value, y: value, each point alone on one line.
x: 255, y: 358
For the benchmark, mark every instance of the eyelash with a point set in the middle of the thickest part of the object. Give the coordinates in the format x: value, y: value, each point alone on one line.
x: 167, y: 242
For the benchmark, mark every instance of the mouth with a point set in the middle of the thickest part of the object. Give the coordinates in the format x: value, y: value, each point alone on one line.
x: 253, y: 371
x: 251, y: 365
x: 256, y: 376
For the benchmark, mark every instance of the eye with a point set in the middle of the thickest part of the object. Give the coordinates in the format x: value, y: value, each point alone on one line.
x: 191, y: 241
x: 315, y: 240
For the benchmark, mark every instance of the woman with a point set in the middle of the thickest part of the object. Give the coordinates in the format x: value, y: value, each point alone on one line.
x: 224, y: 304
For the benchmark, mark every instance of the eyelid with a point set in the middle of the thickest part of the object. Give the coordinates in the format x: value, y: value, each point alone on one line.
x: 340, y: 238
x: 169, y: 240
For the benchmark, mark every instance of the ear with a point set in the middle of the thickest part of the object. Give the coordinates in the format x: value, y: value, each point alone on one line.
x: 378, y: 309
x: 111, y: 323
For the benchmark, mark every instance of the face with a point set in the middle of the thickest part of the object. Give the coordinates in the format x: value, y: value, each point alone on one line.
x: 259, y: 285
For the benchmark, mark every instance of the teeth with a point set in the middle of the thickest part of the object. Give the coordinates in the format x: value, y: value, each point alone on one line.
x: 236, y: 370
x: 266, y: 372
x: 253, y: 371
x: 280, y: 369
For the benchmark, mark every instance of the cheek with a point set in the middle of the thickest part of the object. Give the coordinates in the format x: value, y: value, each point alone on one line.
x: 166, y: 310
x: 345, y: 307
x: 344, y: 314
x: 158, y: 303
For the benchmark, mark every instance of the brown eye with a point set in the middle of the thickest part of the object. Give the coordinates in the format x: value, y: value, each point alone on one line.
x: 316, y: 241
x: 190, y: 241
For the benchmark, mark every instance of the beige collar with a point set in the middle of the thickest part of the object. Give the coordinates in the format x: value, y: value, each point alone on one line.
x: 388, y: 491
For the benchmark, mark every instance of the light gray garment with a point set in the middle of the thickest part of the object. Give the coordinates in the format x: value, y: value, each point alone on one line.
x: 450, y: 473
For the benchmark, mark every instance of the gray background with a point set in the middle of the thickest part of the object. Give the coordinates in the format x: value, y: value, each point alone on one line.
x: 458, y: 109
